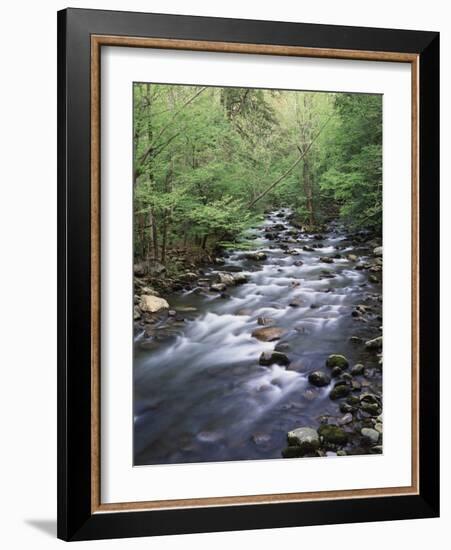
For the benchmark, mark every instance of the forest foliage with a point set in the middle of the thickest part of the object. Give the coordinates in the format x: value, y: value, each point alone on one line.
x: 208, y: 161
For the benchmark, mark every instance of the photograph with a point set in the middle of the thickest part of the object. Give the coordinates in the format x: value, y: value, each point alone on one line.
x: 257, y: 274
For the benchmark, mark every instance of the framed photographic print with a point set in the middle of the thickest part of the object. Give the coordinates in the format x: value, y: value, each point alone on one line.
x: 248, y: 274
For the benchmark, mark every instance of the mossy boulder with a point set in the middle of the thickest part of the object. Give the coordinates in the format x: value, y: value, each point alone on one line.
x: 292, y: 451
x: 337, y: 361
x: 338, y: 392
x: 333, y: 434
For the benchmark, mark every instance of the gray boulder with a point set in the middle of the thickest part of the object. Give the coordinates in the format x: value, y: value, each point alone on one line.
x: 370, y: 435
x: 152, y: 304
x: 305, y: 438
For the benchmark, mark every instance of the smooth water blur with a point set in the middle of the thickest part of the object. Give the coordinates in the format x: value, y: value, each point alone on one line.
x: 200, y: 394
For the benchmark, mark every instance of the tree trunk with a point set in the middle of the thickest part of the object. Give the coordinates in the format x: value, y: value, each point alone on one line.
x: 164, y: 241
x: 308, y: 191
x: 155, y: 238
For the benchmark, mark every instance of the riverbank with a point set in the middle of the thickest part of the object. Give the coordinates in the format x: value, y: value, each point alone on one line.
x: 264, y: 353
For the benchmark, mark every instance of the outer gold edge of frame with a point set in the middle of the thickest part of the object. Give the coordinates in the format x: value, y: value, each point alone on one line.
x: 105, y: 40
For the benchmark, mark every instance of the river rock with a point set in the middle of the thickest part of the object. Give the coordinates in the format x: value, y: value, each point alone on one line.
x: 339, y: 391
x: 305, y: 438
x: 346, y: 419
x: 136, y: 313
x: 226, y: 278
x: 336, y: 371
x: 273, y: 357
x: 370, y: 436
x: 218, y: 287
x: 375, y: 344
x: 189, y: 276
x: 378, y: 251
x: 283, y: 347
x: 371, y: 408
x: 333, y: 434
x: 298, y: 263
x: 318, y: 378
x: 152, y: 304
x: 292, y: 451
x: 369, y: 398
x: 357, y: 370
x: 296, y: 302
x: 268, y: 334
x: 149, y: 290
x: 308, y: 248
x: 326, y: 260
x: 139, y: 270
x: 258, y: 256
x: 155, y: 268
x: 352, y: 257
x: 264, y: 321
x: 346, y: 408
x: 336, y: 360
x: 240, y: 278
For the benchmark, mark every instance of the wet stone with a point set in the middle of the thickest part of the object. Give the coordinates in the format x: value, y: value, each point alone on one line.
x: 336, y: 360
x: 273, y: 357
x: 268, y: 334
x: 318, y: 378
x: 339, y: 392
x: 333, y: 434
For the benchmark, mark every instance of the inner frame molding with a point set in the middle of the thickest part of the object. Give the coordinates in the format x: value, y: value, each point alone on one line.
x: 97, y: 41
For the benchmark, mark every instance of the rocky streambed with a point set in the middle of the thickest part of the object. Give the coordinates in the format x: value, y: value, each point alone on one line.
x: 266, y: 353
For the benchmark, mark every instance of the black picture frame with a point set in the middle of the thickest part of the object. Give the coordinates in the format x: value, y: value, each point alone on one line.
x: 75, y: 518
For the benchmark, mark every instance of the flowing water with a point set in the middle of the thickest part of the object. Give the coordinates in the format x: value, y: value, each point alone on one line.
x: 199, y: 391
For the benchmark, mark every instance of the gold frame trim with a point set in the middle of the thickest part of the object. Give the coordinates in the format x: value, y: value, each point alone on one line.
x: 97, y: 41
